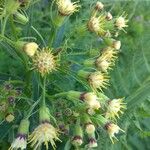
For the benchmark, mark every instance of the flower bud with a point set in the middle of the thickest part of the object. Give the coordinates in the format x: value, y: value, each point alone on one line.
x: 92, y: 142
x: 21, y: 18
x: 117, y: 45
x: 99, y: 6
x: 90, y: 128
x: 77, y: 139
x: 44, y: 114
x: 9, y: 117
x: 30, y: 48
x: 109, y: 16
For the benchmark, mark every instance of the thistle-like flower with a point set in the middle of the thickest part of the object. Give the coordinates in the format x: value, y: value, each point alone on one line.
x: 21, y: 140
x: 98, y: 80
x: 116, y: 45
x: 112, y: 129
x: 97, y: 25
x: 45, y: 132
x: 66, y: 7
x: 115, y: 107
x: 109, y: 16
x: 44, y: 62
x: 121, y: 22
x: 30, y: 48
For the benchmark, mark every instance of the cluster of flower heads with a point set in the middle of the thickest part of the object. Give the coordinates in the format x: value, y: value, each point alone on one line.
x: 8, y: 96
x: 97, y: 109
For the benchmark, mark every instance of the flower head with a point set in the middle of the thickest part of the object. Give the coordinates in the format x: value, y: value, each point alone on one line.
x: 117, y: 45
x: 44, y: 62
x: 92, y: 100
x: 114, y: 108
x: 21, y: 140
x: 30, y: 48
x: 121, y: 22
x: 109, y: 16
x: 66, y: 7
x: 96, y: 24
x: 113, y: 129
x: 19, y: 143
x: 44, y: 133
x: 77, y: 140
x: 98, y: 80
x: 90, y: 128
x: 92, y: 142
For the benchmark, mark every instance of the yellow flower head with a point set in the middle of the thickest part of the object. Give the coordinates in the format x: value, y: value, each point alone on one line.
x: 90, y: 128
x: 98, y: 80
x: 121, y: 22
x: 96, y: 24
x: 66, y: 7
x: 44, y: 133
x: 114, y: 108
x: 44, y: 62
x: 113, y: 129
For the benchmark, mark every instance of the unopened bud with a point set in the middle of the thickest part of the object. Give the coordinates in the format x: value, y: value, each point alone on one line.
x: 99, y: 6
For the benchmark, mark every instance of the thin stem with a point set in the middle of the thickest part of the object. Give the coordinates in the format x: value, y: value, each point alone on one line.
x: 4, y: 25
x: 44, y: 91
x: 60, y: 94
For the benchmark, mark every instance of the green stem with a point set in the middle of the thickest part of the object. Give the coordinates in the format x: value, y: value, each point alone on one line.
x: 44, y: 91
x: 60, y: 94
x: 4, y: 25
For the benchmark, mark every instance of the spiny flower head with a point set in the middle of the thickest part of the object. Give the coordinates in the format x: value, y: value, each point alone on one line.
x: 98, y: 80
x: 113, y: 129
x: 97, y: 25
x: 114, y: 108
x: 44, y: 133
x: 44, y: 61
x: 66, y: 7
x: 121, y: 22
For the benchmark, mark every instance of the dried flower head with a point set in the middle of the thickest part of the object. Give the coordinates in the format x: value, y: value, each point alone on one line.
x: 98, y: 80
x: 66, y: 7
x: 44, y: 133
x: 113, y: 129
x: 44, y: 61
x: 30, y: 48
x: 9, y: 117
x: 114, y: 108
